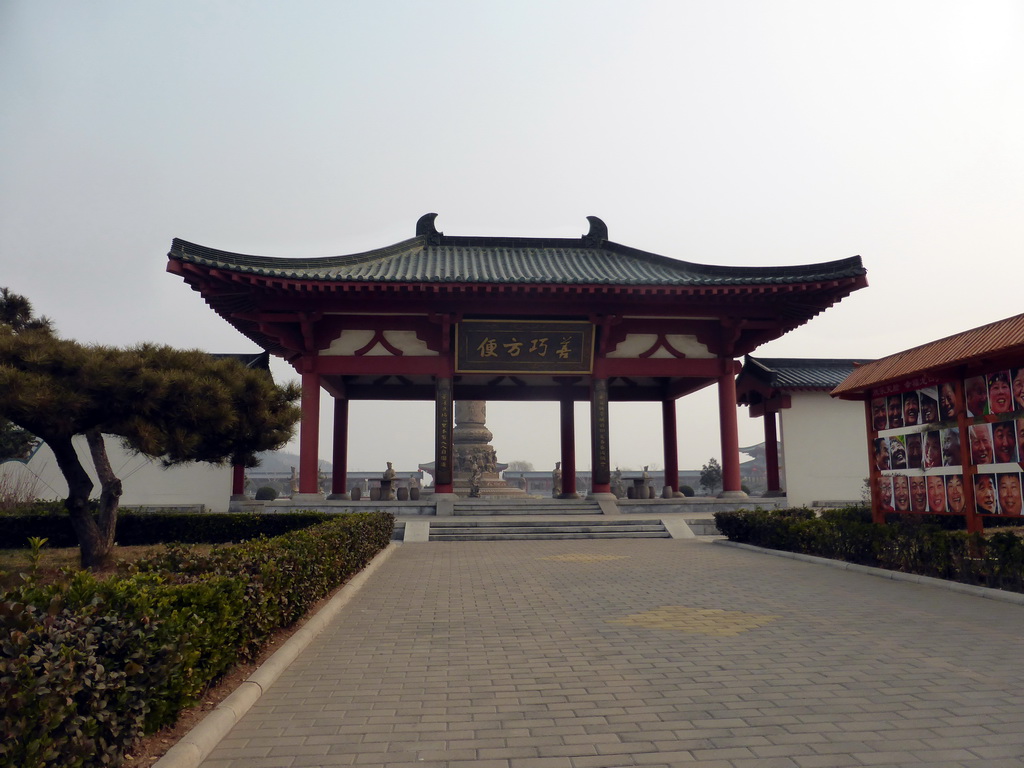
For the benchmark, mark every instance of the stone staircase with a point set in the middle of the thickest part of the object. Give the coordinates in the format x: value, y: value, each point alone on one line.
x: 496, y: 529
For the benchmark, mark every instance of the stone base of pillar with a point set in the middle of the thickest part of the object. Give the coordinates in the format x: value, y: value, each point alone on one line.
x: 444, y: 504
x: 238, y: 497
x: 733, y: 495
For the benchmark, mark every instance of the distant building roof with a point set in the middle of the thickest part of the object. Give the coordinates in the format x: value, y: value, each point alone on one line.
x: 984, y: 345
x: 765, y: 377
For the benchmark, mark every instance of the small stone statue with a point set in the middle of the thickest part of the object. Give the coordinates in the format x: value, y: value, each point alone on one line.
x: 617, y: 487
x: 387, y: 485
x: 474, y: 481
x: 556, y: 480
x: 294, y: 481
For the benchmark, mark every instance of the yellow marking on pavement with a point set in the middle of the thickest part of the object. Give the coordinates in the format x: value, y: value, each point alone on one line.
x: 697, y: 621
x: 584, y: 558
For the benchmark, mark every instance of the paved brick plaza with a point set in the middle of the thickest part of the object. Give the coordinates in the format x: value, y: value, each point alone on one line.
x: 583, y: 654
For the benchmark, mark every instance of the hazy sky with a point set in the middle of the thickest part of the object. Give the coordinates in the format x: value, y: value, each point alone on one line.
x: 735, y: 133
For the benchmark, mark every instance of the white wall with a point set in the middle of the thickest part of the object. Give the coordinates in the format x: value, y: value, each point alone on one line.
x: 824, y: 447
x: 144, y: 481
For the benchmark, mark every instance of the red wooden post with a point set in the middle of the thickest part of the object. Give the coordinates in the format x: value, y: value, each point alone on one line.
x: 729, y: 431
x: 599, y: 437
x: 339, y: 479
x: 567, y: 424
x: 771, y: 452
x: 671, y: 440
x: 309, y: 433
x: 238, y: 480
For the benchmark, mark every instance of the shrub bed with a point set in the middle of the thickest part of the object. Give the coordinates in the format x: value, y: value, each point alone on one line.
x: 88, y: 666
x: 135, y: 528
x: 908, y: 544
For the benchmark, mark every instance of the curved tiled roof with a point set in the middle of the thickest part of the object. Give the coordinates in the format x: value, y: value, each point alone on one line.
x: 789, y: 373
x: 432, y: 257
x: 1003, y: 337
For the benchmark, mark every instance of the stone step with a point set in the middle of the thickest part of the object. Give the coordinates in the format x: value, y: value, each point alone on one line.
x: 619, y: 522
x: 526, y: 507
x: 547, y: 536
x: 474, y: 529
x: 504, y: 530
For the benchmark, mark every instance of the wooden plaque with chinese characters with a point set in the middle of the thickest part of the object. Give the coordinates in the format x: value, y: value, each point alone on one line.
x: 524, y: 346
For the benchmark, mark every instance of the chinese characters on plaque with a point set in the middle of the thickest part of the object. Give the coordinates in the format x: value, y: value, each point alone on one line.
x: 523, y: 346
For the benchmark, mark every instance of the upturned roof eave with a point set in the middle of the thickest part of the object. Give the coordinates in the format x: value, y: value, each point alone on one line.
x: 318, y: 270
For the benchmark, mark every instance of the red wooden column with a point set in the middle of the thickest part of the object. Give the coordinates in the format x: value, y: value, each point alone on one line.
x: 600, y: 453
x: 568, y: 439
x: 727, y: 420
x: 238, y: 480
x: 671, y: 440
x: 339, y: 480
x: 771, y: 454
x: 444, y: 451
x: 309, y: 433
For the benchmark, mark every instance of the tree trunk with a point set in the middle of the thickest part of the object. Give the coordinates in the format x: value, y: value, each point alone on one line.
x: 95, y: 551
x: 110, y: 490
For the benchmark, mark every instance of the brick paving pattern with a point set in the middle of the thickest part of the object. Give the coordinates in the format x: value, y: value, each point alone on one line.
x: 597, y: 654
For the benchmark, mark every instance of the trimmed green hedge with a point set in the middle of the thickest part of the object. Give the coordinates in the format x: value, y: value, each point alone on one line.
x: 911, y: 545
x: 88, y: 666
x: 135, y: 528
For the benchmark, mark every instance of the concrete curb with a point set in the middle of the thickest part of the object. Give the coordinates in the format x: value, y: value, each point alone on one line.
x: 953, y: 586
x: 197, y: 744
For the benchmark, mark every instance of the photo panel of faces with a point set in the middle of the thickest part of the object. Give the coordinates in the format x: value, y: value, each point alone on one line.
x: 998, y: 493
x: 922, y: 448
x: 933, y: 494
x: 917, y: 408
x: 995, y: 393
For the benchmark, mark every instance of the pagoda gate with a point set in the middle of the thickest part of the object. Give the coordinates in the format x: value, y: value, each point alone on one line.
x: 451, y: 318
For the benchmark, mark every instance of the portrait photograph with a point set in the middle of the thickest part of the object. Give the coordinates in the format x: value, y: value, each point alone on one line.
x: 1004, y: 442
x: 929, y: 405
x: 880, y: 449
x: 932, y: 449
x: 951, y: 456
x: 901, y: 493
x: 1008, y: 493
x: 879, y: 414
x: 980, y: 436
x: 911, y: 409
x: 947, y: 401
x: 956, y: 498
x: 1018, y: 389
x: 918, y: 493
x: 915, y: 451
x: 1000, y: 393
x: 936, y: 494
x: 985, y: 494
x: 883, y: 493
x: 976, y: 394
x: 898, y: 452
x: 894, y: 406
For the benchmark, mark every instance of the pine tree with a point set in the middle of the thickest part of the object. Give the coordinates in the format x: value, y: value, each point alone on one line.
x: 177, y: 405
